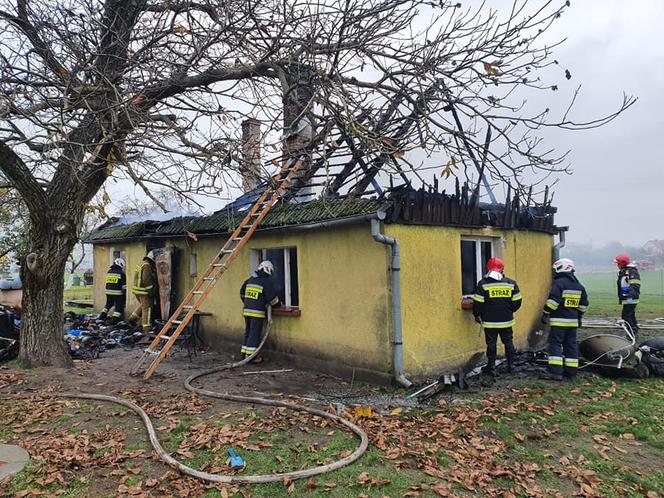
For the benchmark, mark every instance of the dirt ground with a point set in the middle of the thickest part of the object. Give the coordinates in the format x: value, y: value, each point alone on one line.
x: 109, y: 374
x: 87, y: 448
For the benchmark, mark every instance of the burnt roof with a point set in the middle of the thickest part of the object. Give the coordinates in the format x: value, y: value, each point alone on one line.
x: 403, y: 206
x: 225, y: 221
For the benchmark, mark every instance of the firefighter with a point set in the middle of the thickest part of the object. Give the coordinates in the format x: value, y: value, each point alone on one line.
x: 629, y: 289
x: 495, y: 300
x: 145, y: 290
x: 563, y: 310
x: 116, y: 288
x: 257, y: 293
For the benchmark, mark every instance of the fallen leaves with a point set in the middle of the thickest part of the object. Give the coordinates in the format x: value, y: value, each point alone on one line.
x: 364, y: 479
x: 8, y: 379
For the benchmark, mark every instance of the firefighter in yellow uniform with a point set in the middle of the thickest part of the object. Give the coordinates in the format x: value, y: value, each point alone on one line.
x: 145, y: 277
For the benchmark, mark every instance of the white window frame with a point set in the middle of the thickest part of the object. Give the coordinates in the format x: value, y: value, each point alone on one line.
x: 478, y: 253
x: 112, y: 257
x: 258, y: 255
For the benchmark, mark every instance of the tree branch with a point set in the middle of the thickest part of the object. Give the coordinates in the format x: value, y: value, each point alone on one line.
x: 22, y: 179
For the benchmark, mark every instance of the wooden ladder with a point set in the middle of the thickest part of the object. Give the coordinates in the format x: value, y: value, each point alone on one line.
x: 204, y: 285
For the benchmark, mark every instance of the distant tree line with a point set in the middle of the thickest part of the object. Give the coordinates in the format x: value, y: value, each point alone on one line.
x: 589, y: 257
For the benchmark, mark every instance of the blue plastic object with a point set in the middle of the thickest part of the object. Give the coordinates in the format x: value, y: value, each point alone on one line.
x: 236, y: 460
x: 75, y: 332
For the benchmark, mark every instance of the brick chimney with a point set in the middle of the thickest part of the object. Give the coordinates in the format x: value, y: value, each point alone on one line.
x: 251, y: 153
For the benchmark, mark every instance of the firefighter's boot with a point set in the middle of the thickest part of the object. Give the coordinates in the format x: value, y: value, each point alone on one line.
x: 490, y: 368
x: 510, y: 363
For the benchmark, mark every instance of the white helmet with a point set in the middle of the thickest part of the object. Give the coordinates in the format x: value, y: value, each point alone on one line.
x: 119, y: 262
x: 564, y: 265
x: 266, y: 266
x: 150, y: 254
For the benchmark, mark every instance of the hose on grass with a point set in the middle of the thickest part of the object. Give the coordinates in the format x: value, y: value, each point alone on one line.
x: 237, y: 479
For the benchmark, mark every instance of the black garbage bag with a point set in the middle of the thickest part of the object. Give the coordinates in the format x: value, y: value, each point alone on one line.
x: 654, y: 360
x: 8, y: 349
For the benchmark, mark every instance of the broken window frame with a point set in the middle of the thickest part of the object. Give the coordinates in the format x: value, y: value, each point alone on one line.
x: 290, y: 285
x: 480, y: 259
x: 193, y: 265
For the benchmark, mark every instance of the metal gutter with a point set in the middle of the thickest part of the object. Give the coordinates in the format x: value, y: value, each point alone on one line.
x: 561, y: 243
x: 395, y: 274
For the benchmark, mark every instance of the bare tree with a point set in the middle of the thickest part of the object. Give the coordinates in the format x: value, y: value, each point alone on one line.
x: 154, y: 92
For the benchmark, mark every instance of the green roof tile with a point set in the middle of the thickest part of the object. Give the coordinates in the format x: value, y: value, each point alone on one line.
x: 225, y: 222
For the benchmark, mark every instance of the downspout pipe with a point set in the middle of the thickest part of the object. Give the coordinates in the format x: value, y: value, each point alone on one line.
x: 395, y: 275
x: 561, y: 243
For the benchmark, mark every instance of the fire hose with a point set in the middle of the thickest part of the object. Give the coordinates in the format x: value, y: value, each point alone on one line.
x: 237, y: 479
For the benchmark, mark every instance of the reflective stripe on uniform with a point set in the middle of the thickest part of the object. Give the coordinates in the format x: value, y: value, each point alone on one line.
x: 571, y: 362
x: 499, y: 289
x: 498, y: 284
x: 516, y: 297
x: 138, y: 289
x: 248, y: 350
x: 478, y: 298
x: 253, y: 313
x: 253, y: 291
x: 116, y: 314
x: 114, y: 293
x: 555, y: 360
x: 552, y: 304
x: 582, y: 308
x: 497, y: 325
x: 571, y: 298
x: 275, y: 300
x: 564, y: 322
x: 630, y: 301
x: 634, y: 281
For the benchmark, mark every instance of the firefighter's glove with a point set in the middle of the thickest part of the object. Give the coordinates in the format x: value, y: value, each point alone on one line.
x: 544, y: 319
x: 478, y: 319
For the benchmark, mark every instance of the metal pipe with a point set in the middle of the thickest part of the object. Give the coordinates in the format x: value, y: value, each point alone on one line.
x: 561, y: 243
x: 395, y: 274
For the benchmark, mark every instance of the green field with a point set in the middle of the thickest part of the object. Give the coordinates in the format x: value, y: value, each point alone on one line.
x: 603, y: 300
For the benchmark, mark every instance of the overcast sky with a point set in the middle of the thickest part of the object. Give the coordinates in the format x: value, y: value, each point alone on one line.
x: 617, y: 189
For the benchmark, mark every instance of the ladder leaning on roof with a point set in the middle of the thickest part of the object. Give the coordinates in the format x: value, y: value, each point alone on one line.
x: 181, y: 317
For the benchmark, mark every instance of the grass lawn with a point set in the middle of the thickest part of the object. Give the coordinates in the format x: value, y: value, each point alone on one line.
x: 595, y: 437
x: 78, y: 293
x: 601, y: 289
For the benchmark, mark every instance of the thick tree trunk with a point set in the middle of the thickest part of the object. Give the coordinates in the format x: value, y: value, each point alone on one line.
x: 42, y: 337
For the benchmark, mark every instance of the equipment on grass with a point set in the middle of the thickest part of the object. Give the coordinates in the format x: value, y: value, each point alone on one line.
x: 236, y: 460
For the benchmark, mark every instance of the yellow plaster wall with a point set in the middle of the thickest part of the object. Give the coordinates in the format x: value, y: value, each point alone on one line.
x: 343, y: 291
x: 100, y: 263
x: 343, y: 294
x: 437, y: 333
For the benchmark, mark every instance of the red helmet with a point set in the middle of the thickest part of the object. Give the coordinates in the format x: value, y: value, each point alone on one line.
x: 622, y: 260
x: 495, y: 264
